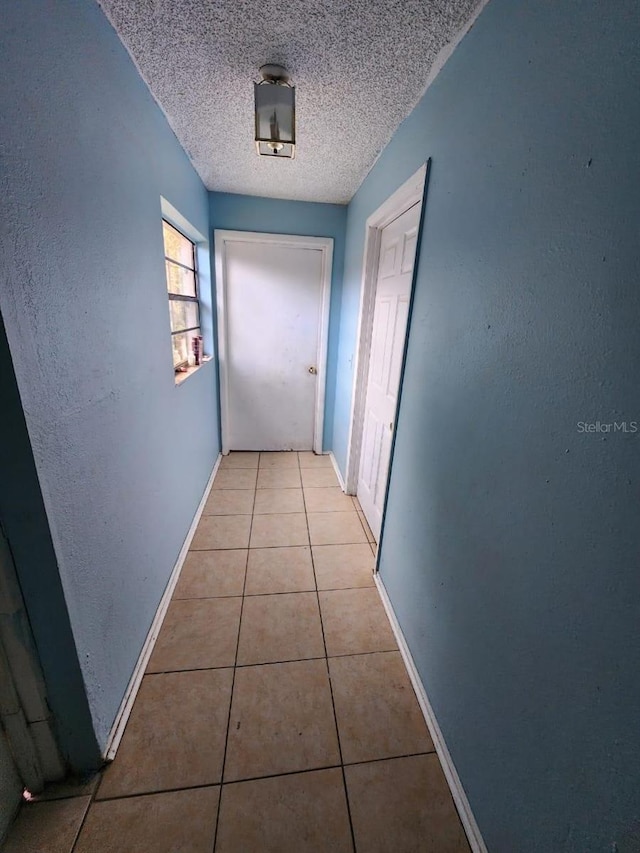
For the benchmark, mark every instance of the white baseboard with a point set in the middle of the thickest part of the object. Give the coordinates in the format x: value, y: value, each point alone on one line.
x: 117, y: 730
x: 337, y: 470
x: 453, y: 780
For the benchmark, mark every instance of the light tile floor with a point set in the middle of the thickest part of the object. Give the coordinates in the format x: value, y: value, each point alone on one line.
x: 276, y: 713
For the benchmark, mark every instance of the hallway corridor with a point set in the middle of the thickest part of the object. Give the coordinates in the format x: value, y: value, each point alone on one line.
x: 275, y: 673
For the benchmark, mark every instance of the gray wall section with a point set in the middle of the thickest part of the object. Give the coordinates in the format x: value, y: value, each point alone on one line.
x: 237, y: 212
x: 122, y: 454
x: 511, y: 543
x: 10, y: 787
x: 24, y: 522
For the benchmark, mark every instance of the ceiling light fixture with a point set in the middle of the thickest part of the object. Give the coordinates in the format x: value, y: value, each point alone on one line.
x: 275, y: 113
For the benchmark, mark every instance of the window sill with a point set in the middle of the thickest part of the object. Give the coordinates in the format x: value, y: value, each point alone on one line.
x: 181, y: 377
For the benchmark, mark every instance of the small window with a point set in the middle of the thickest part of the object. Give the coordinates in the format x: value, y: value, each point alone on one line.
x: 184, y: 308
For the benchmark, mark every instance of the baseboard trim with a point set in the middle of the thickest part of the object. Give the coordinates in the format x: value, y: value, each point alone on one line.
x: 337, y: 470
x: 453, y: 780
x: 122, y: 717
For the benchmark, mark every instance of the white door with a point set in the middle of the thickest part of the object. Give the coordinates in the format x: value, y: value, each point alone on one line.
x: 393, y: 292
x: 273, y: 306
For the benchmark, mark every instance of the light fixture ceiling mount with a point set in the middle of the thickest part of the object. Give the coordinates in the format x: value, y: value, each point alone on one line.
x: 275, y: 113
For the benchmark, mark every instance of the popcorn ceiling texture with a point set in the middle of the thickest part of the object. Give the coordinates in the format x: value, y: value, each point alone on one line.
x: 359, y: 67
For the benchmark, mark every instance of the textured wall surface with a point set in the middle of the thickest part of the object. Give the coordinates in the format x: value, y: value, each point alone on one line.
x: 511, y: 543
x: 122, y: 454
x: 358, y: 67
x: 275, y: 216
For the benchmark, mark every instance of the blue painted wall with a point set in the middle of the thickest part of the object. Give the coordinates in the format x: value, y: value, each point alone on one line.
x: 511, y: 544
x: 122, y: 454
x: 276, y: 216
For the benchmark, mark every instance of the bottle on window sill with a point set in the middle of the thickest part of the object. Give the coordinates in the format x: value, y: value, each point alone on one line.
x: 197, y: 346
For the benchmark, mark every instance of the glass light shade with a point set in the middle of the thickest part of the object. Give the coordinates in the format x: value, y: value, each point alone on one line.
x: 275, y: 119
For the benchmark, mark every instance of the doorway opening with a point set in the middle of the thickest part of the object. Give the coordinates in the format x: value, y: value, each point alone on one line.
x: 388, y: 277
x: 273, y: 298
x: 29, y: 754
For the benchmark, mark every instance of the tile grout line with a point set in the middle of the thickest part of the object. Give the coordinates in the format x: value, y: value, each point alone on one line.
x: 364, y: 529
x: 266, y: 594
x: 156, y: 791
x: 93, y: 796
x: 84, y: 819
x: 92, y: 802
x: 326, y: 658
x: 235, y: 666
x: 280, y: 511
x: 244, y: 779
x: 276, y: 662
x: 267, y: 547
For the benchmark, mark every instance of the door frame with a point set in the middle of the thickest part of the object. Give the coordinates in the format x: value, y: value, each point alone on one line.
x: 325, y: 245
x: 24, y: 710
x: 406, y: 196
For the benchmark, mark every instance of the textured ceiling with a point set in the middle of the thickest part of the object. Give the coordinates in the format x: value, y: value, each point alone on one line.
x: 359, y: 67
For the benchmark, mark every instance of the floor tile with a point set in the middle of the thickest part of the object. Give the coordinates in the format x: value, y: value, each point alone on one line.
x: 235, y: 478
x: 287, y: 459
x: 198, y: 633
x: 272, y: 570
x: 279, y: 530
x: 209, y: 574
x: 172, y: 822
x: 280, y: 628
x: 403, y: 804
x: 49, y: 827
x: 355, y: 622
x: 71, y: 787
x: 240, y: 459
x: 343, y: 566
x: 335, y: 528
x: 229, y: 502
x: 319, y: 478
x: 175, y: 736
x: 367, y: 529
x: 281, y: 720
x: 300, y: 813
x: 309, y: 459
x: 377, y: 711
x: 278, y: 478
x: 327, y: 500
x: 356, y: 503
x: 222, y: 531
x: 278, y: 500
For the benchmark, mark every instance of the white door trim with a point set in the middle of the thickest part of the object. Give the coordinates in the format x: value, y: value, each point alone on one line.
x: 410, y: 193
x: 325, y: 245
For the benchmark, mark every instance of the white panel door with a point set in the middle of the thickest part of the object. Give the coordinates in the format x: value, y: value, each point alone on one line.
x: 273, y: 309
x: 393, y: 292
